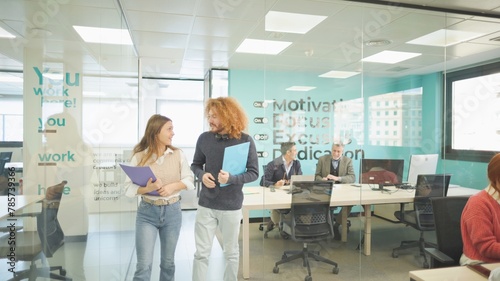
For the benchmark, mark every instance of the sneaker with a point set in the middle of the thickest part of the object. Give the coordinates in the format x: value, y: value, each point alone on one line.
x: 336, y: 232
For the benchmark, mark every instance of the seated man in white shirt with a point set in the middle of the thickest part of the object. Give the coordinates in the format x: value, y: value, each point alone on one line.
x: 278, y: 174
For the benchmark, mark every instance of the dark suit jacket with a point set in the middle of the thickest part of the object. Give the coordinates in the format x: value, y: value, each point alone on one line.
x: 346, y: 170
x: 276, y: 169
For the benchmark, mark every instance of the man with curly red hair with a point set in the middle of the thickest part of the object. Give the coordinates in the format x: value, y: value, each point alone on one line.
x: 220, y: 207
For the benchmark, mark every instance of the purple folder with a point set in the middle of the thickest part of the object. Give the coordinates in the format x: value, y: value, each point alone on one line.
x: 140, y: 175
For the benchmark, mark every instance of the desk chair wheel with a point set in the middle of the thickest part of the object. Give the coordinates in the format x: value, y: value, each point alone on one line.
x: 261, y: 227
x: 395, y: 254
x: 276, y: 270
x: 335, y: 270
x: 308, y: 278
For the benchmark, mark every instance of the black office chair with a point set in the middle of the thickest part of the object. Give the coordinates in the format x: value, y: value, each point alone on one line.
x: 421, y: 217
x: 447, y: 214
x: 37, y: 245
x: 310, y: 222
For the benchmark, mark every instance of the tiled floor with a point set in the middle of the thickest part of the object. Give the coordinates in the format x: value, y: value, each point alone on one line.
x: 109, y: 253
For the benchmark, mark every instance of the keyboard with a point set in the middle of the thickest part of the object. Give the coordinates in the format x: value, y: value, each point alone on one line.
x: 405, y: 186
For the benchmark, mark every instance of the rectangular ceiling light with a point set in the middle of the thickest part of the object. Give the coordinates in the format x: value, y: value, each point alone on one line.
x: 5, y: 34
x: 300, y: 88
x: 338, y: 74
x: 104, y: 35
x: 266, y: 47
x: 290, y: 22
x: 390, y: 57
x: 445, y: 38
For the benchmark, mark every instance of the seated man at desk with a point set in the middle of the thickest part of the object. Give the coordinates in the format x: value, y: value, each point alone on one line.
x: 338, y: 168
x: 279, y: 172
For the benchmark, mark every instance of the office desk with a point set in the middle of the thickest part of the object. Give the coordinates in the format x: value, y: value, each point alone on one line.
x: 455, y: 273
x: 261, y: 198
x: 19, y: 202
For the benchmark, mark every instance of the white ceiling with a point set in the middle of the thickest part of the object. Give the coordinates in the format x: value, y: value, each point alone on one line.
x: 185, y: 38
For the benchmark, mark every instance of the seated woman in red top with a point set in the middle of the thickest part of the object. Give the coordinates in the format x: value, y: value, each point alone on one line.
x: 480, y: 222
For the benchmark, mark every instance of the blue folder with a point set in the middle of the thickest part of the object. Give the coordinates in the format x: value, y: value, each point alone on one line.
x: 235, y: 159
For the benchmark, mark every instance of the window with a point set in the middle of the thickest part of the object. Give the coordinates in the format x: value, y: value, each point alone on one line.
x: 183, y: 102
x: 472, y: 98
x: 11, y: 118
x: 407, y: 101
x: 110, y: 111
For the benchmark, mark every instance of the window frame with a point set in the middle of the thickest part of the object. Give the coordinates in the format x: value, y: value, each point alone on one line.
x: 460, y: 154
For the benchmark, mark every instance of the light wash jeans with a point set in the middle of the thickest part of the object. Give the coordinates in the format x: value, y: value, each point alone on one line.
x: 153, y: 220
x: 207, y: 221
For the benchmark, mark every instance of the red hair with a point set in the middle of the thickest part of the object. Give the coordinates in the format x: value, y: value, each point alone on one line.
x: 230, y: 113
x: 494, y: 172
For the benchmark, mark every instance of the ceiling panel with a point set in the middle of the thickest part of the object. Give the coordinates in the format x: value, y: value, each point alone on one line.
x: 159, y: 22
x: 161, y: 39
x: 180, y: 7
x: 185, y: 38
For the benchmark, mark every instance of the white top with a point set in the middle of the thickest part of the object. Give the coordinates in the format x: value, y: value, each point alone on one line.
x: 187, y: 176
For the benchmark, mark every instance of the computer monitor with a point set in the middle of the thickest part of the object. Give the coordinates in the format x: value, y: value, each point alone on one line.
x: 381, y: 171
x: 4, y: 159
x: 435, y: 185
x: 421, y: 164
x: 295, y: 178
x: 6, y: 156
x: 314, y: 191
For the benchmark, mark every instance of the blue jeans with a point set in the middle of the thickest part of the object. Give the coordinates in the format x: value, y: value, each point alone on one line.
x: 207, y: 221
x: 153, y: 220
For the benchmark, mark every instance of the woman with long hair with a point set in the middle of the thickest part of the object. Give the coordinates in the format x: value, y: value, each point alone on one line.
x: 159, y: 212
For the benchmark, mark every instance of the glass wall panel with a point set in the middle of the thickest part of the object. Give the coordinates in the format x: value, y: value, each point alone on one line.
x: 75, y: 113
x: 72, y: 110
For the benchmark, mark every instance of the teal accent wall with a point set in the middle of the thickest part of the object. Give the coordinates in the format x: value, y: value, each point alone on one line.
x: 252, y: 88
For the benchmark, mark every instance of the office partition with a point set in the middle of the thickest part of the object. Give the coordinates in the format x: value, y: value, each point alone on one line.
x: 94, y: 99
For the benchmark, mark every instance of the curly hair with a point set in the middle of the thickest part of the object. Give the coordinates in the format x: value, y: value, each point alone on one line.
x: 232, y: 116
x: 150, y: 138
x: 494, y: 172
